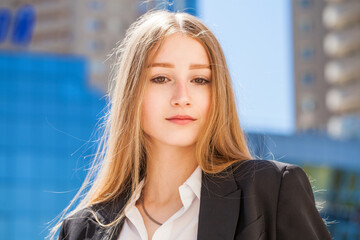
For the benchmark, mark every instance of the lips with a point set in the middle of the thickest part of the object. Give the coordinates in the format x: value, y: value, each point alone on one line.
x: 181, y: 119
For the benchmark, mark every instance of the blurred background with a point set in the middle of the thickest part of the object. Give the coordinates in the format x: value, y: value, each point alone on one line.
x: 295, y: 66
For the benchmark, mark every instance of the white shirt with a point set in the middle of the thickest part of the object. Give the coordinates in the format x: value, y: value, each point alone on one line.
x: 182, y: 225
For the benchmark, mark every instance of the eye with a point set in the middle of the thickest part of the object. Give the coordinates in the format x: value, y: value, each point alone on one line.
x: 201, y: 81
x: 160, y: 79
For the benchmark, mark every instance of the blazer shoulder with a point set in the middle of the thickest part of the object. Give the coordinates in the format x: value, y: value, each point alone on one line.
x: 75, y: 225
x: 262, y: 165
x: 264, y: 171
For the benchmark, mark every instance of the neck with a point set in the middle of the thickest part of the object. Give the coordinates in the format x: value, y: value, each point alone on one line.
x: 168, y: 167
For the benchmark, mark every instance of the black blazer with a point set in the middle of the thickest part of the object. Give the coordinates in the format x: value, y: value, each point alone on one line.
x: 258, y: 200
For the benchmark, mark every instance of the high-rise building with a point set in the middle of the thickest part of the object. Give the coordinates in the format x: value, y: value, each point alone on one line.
x: 309, y: 61
x: 48, y: 113
x: 342, y: 70
x: 326, y: 66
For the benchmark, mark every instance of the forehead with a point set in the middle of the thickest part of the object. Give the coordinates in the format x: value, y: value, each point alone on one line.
x: 179, y: 47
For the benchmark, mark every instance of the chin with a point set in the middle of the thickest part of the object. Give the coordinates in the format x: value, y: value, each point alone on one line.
x: 183, y: 145
x: 173, y: 139
x: 181, y: 142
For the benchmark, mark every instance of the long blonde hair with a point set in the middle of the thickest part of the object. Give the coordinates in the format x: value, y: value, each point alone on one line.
x: 120, y: 161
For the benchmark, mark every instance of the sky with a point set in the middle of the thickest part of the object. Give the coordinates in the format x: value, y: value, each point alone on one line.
x: 256, y: 37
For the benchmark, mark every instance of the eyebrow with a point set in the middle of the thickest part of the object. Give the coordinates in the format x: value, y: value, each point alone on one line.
x: 169, y: 65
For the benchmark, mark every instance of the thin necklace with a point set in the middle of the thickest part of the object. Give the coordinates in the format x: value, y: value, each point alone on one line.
x: 147, y: 214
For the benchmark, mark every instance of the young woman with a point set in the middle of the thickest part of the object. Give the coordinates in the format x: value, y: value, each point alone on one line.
x: 174, y: 163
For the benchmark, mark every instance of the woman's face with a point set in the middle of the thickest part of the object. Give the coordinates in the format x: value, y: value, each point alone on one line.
x: 177, y: 93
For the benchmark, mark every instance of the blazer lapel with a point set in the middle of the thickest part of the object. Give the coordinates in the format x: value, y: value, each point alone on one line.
x: 108, y: 212
x: 219, y: 207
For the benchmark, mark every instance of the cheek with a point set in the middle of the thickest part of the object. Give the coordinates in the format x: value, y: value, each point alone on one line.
x: 151, y: 108
x: 204, y: 101
x: 147, y: 109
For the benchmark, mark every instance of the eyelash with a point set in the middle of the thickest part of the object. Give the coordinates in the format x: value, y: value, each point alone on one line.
x: 205, y: 81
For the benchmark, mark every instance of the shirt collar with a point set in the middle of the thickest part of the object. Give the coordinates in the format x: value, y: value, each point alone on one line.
x: 194, y: 181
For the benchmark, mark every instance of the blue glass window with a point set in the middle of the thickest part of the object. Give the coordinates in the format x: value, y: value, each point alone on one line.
x: 5, y: 16
x: 308, y: 104
x: 307, y: 79
x: 307, y: 53
x: 23, y: 25
x: 304, y: 3
x: 305, y: 25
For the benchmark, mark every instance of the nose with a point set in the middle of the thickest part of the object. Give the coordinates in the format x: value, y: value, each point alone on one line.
x: 180, y: 95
